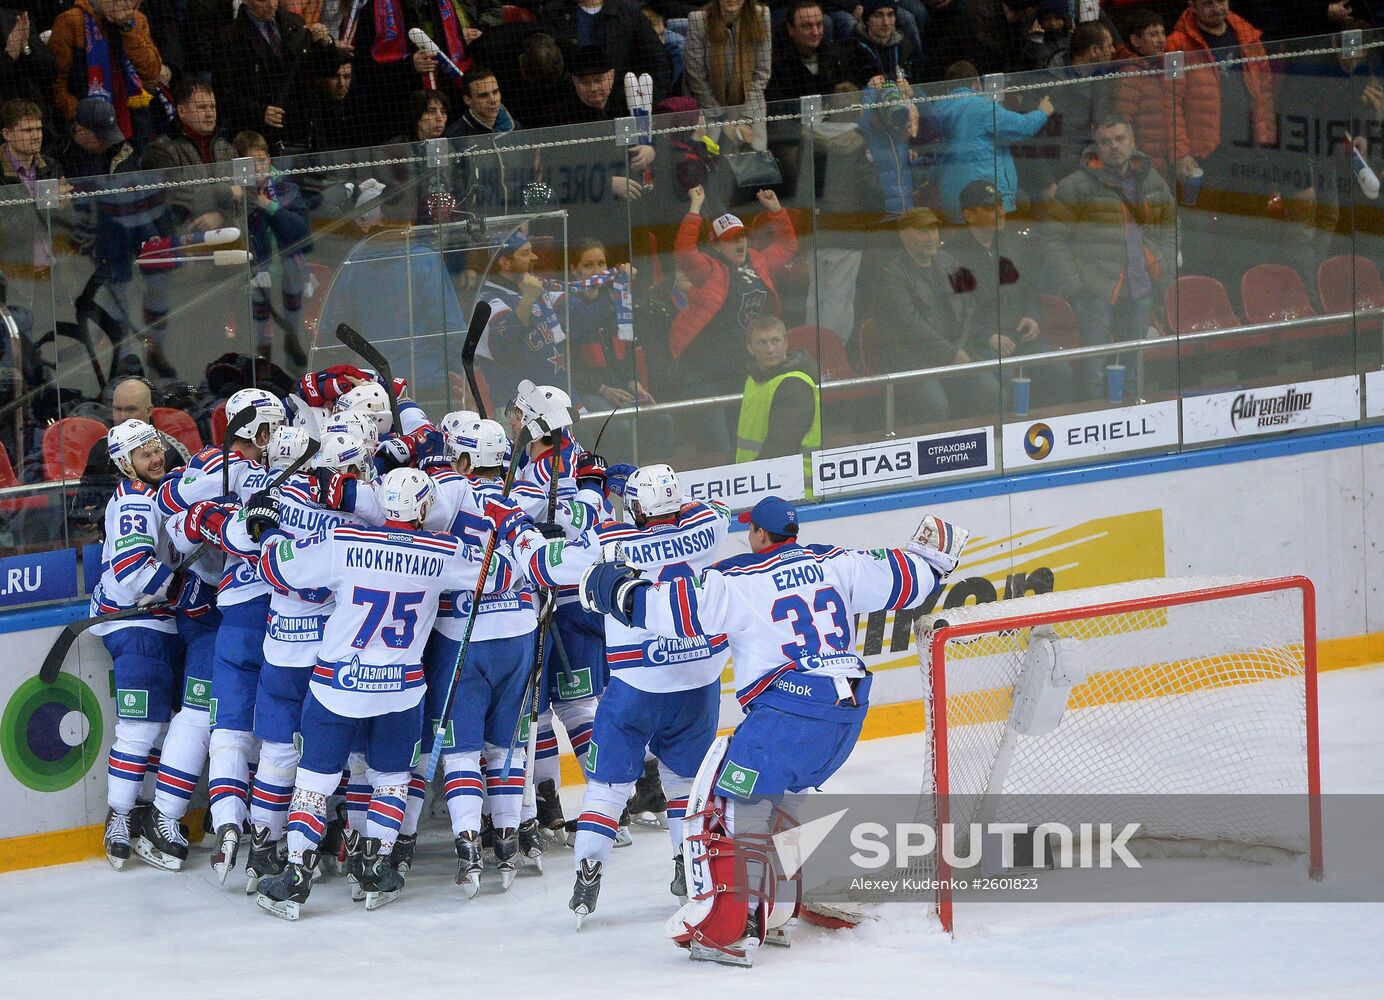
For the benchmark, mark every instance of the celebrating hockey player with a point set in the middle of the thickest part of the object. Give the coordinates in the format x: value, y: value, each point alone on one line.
x: 663, y: 694
x: 197, y: 498
x: 369, y: 672
x: 136, y: 572
x: 788, y: 612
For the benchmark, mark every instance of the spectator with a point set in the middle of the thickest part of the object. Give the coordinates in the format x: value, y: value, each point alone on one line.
x: 674, y: 43
x: 976, y: 133
x: 103, y: 48
x: 192, y: 148
x: 277, y: 222
x: 622, y: 33
x: 26, y: 250
x: 593, y: 99
x: 923, y: 323
x: 729, y: 59
x: 731, y: 285
x: 1230, y: 119
x: 1110, y: 245
x: 123, y: 221
x: 1001, y: 290
x: 263, y: 53
x: 539, y: 93
x: 1079, y: 99
x: 326, y: 116
x: 879, y: 53
x: 781, y: 408
x: 1050, y: 42
x: 485, y: 113
x: 500, y: 175
x: 132, y: 399
x: 804, y: 62
x: 525, y: 334
x: 992, y: 35
x: 1147, y: 100
x: 27, y: 68
x: 388, y: 66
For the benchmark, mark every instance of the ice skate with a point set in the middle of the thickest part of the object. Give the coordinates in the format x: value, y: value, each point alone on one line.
x: 488, y: 833
x: 284, y: 894
x: 678, y: 887
x: 469, y: 865
x: 402, y: 855
x: 530, y: 843
x: 227, y: 844
x: 741, y: 953
x: 585, y: 890
x: 550, y: 818
x: 355, y: 860
x: 117, y: 839
x: 263, y: 861
x: 137, y: 814
x: 622, y: 835
x: 781, y: 937
x: 162, y: 843
x: 507, y: 855
x: 378, y: 878
x: 333, y: 846
x: 648, y: 806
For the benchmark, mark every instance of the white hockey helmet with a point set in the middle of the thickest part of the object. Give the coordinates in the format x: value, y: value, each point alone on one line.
x: 542, y: 408
x: 269, y: 411
x: 286, y: 446
x: 342, y: 451
x: 406, y: 495
x: 451, y: 426
x: 370, y: 398
x: 486, y: 443
x: 359, y: 423
x: 653, y: 491
x: 124, y: 439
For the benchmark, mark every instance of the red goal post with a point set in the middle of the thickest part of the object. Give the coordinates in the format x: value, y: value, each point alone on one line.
x: 1194, y: 687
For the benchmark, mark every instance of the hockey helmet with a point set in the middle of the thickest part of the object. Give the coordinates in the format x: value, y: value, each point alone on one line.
x: 124, y: 439
x: 341, y: 451
x: 269, y: 412
x: 370, y: 398
x: 543, y: 409
x: 451, y: 425
x: 652, y: 491
x: 286, y: 446
x: 486, y: 444
x: 406, y: 495
x: 359, y: 423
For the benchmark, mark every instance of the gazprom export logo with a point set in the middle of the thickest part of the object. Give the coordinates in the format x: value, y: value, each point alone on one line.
x: 1038, y: 442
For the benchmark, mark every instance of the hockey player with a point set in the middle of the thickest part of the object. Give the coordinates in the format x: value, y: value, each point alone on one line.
x: 292, y: 636
x: 136, y: 571
x: 369, y: 672
x: 490, y: 689
x: 243, y: 599
x: 574, y: 662
x: 663, y: 694
x: 788, y: 612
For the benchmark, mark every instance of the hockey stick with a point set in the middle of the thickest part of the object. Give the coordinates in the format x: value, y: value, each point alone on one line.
x: 436, y: 754
x: 72, y: 631
x: 351, y: 338
x: 480, y: 316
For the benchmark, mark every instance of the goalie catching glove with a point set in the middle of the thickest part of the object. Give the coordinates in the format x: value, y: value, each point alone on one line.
x: 938, y: 543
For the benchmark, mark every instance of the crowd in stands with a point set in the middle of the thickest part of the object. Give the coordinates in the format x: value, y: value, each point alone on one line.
x: 936, y: 219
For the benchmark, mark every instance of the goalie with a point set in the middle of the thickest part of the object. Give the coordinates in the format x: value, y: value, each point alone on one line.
x: 788, y: 611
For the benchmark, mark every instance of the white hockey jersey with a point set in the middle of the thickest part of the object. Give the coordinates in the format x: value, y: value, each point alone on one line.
x: 201, y: 480
x: 136, y: 561
x: 386, y: 583
x: 787, y: 608
x: 297, y: 620
x: 642, y: 658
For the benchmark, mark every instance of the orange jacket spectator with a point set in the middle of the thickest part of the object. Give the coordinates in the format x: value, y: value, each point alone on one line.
x: 1147, y: 101
x: 1198, y: 118
x: 128, y: 40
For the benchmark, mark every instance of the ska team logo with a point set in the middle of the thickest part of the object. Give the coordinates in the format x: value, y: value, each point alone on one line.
x: 1038, y: 441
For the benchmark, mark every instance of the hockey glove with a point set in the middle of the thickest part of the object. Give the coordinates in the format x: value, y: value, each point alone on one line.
x: 336, y: 490
x: 261, y: 515
x: 938, y: 543
x: 609, y: 588
x: 396, y: 452
x: 617, y: 476
x: 325, y: 387
x: 206, y: 519
x: 550, y: 530
x: 508, y: 519
x: 590, y: 472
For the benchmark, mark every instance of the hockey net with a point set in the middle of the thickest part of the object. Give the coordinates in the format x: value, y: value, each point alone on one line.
x: 1200, y: 690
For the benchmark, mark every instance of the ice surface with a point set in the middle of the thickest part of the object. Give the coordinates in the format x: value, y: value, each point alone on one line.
x: 84, y: 931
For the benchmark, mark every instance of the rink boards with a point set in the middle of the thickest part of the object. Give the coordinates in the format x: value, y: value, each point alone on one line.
x: 1298, y: 506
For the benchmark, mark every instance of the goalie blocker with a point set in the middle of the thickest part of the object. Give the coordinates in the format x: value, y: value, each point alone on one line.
x: 788, y: 611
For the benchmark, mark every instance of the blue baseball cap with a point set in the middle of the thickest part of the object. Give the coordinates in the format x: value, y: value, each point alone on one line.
x: 775, y: 515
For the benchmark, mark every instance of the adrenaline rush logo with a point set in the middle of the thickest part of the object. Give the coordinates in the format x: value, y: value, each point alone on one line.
x: 1270, y: 411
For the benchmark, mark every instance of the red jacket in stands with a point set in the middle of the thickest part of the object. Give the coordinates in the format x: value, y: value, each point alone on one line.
x: 1198, y: 118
